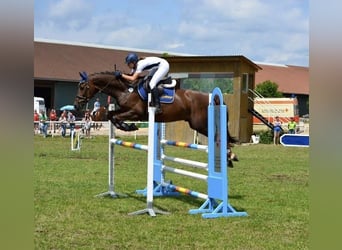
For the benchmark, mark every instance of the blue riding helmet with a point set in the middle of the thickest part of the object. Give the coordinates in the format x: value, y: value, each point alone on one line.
x: 131, y: 58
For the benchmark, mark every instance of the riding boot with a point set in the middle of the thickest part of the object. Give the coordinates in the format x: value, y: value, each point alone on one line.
x: 155, y: 100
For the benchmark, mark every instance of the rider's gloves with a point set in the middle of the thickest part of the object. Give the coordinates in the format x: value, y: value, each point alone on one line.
x: 117, y: 74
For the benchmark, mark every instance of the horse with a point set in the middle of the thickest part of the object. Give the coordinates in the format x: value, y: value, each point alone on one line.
x: 100, y: 115
x: 188, y: 105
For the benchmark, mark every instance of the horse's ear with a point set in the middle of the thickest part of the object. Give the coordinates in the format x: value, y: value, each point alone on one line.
x: 84, y: 75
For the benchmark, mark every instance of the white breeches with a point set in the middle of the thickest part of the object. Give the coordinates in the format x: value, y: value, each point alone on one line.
x: 161, y: 72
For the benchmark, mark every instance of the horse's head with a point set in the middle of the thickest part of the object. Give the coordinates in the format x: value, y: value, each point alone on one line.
x: 104, y: 82
x: 86, y: 91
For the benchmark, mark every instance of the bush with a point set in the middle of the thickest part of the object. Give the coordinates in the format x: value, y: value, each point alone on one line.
x: 266, y: 137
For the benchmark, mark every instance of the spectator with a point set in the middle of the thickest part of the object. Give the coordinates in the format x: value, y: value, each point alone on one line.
x: 71, y: 120
x: 42, y: 123
x: 87, y: 124
x: 35, y: 120
x: 53, y: 118
x: 276, y: 130
x: 292, y: 126
x: 63, y: 122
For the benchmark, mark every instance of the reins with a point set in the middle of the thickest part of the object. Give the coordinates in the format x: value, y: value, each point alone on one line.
x: 126, y: 86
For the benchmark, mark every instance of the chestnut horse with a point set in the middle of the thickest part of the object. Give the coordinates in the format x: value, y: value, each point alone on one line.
x: 188, y: 105
x: 100, y: 115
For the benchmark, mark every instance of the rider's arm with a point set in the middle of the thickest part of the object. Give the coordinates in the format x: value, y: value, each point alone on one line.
x: 131, y: 77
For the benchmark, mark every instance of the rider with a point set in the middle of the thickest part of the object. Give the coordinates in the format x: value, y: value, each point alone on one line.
x: 97, y: 106
x: 137, y: 66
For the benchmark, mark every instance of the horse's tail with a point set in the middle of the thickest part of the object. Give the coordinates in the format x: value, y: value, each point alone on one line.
x: 231, y: 139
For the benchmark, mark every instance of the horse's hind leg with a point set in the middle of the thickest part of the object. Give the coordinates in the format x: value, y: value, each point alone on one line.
x: 231, y: 156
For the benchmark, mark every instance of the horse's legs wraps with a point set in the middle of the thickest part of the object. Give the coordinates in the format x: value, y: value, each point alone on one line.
x: 119, y: 123
x: 231, y: 157
x: 124, y: 126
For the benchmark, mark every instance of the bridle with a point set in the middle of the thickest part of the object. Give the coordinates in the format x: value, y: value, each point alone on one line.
x: 83, y: 84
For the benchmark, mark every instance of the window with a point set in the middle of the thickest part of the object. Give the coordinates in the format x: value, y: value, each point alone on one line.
x: 244, y: 85
x: 206, y: 82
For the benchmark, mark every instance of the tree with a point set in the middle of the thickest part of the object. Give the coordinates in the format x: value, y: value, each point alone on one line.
x: 268, y: 89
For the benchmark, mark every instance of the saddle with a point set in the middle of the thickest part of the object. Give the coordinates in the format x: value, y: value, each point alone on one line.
x: 166, y: 88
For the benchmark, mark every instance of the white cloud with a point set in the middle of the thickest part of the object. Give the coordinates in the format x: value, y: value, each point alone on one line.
x: 174, y: 45
x: 258, y: 29
x: 68, y: 8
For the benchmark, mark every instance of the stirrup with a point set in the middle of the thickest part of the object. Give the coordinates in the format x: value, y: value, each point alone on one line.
x: 158, y: 110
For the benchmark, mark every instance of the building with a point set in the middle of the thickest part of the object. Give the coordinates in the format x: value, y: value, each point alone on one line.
x: 57, y: 66
x: 292, y: 81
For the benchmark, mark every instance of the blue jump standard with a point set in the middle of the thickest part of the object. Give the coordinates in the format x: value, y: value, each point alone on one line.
x: 216, y: 203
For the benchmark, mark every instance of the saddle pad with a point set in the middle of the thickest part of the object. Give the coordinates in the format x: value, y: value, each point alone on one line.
x: 168, y: 95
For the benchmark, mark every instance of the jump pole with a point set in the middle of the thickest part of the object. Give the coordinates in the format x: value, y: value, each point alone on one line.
x: 152, y: 134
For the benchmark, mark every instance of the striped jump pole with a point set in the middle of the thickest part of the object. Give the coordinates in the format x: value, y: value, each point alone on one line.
x: 129, y: 144
x: 185, y: 191
x: 184, y: 145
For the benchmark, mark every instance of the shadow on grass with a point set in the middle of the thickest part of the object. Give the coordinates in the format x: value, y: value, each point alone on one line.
x: 188, y: 199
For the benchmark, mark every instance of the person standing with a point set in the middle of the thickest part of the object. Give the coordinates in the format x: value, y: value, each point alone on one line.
x: 63, y: 122
x: 36, y: 121
x: 276, y: 130
x: 43, y: 123
x: 292, y: 126
x: 71, y: 121
x: 53, y: 118
x: 87, y: 124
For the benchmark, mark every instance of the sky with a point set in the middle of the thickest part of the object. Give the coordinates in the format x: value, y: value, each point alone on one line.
x: 262, y: 30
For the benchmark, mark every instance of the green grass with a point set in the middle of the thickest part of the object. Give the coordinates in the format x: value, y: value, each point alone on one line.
x: 269, y: 182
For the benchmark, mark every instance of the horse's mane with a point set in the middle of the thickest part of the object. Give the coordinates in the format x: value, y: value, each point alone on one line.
x: 122, y: 80
x: 102, y: 73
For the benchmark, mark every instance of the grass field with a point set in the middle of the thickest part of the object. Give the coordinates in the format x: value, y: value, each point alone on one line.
x: 270, y: 183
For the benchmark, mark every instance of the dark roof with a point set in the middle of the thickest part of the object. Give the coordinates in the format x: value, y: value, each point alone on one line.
x: 62, y: 61
x: 57, y: 61
x: 231, y: 58
x: 290, y: 79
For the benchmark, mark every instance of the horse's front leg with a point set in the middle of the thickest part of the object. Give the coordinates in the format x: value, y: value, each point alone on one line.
x: 114, y: 117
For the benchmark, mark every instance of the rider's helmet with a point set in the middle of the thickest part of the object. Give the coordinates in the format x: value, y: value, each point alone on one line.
x: 131, y: 58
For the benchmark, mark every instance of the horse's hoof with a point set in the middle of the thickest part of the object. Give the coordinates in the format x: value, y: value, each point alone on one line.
x: 230, y: 164
x: 133, y: 127
x: 125, y: 127
x: 234, y: 157
x: 121, y: 125
x: 158, y: 111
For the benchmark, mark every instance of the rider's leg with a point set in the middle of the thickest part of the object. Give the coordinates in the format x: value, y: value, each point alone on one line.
x: 162, y: 71
x: 155, y: 100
